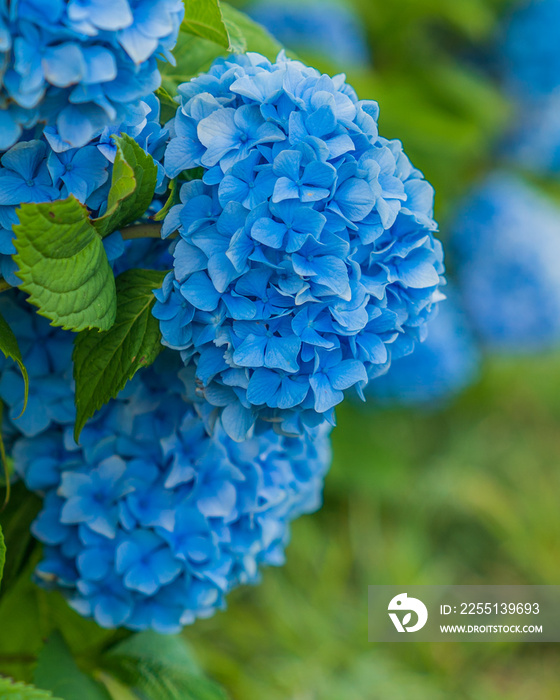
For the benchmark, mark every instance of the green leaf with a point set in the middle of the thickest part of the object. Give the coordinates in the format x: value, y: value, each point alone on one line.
x: 171, y: 201
x: 194, y: 54
x: 255, y: 36
x: 63, y: 265
x: 132, y: 186
x: 17, y: 517
x: 20, y: 691
x: 104, y: 362
x: 160, y: 668
x: 203, y: 18
x: 167, y: 104
x: 2, y: 554
x: 6, y: 464
x: 57, y: 671
x: 9, y: 346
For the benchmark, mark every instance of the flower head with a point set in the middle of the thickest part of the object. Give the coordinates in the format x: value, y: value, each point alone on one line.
x: 506, y: 237
x: 150, y: 521
x: 306, y: 258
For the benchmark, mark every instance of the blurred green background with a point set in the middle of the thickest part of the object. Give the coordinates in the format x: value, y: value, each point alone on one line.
x: 465, y: 494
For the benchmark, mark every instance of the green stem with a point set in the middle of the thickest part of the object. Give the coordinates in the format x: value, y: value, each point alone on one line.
x: 4, y: 285
x: 141, y: 231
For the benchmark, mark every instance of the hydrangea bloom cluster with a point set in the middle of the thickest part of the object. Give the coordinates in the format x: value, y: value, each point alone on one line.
x: 151, y: 522
x: 79, y: 65
x: 439, y: 368
x: 532, y: 50
x: 507, y: 242
x: 306, y: 257
x: 38, y: 171
x: 315, y: 27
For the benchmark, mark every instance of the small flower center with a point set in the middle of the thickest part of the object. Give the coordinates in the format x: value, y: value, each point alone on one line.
x: 30, y: 183
x: 69, y: 167
x: 243, y: 138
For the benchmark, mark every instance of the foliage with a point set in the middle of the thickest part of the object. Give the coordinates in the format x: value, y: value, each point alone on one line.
x: 10, y: 348
x: 20, y: 691
x: 132, y: 189
x: 2, y: 554
x: 63, y: 265
x: 104, y: 362
x: 57, y: 671
x: 160, y: 668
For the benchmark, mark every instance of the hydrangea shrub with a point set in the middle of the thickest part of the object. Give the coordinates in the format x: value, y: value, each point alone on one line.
x: 190, y: 284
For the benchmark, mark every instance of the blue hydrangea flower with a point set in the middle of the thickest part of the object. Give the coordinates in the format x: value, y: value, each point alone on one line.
x: 43, y: 170
x: 534, y: 143
x: 439, y: 368
x: 80, y: 65
x: 531, y: 50
x: 507, y: 242
x: 313, y: 27
x: 150, y: 522
x: 306, y: 256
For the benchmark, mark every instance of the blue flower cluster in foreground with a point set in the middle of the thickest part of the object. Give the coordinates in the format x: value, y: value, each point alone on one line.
x: 507, y: 242
x: 306, y: 258
x: 150, y: 522
x: 439, y: 368
x: 79, y: 65
x: 532, y: 49
x: 37, y: 171
x: 315, y: 26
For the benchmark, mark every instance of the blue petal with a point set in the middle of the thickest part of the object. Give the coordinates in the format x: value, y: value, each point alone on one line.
x: 200, y: 292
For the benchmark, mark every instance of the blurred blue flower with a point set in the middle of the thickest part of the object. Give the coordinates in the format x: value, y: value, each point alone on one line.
x: 534, y: 142
x: 150, y: 521
x: 439, y: 368
x: 306, y: 258
x: 80, y: 65
x: 506, y: 239
x: 531, y: 51
x: 325, y: 28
